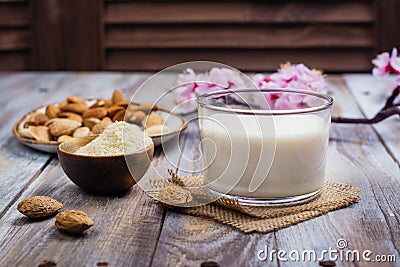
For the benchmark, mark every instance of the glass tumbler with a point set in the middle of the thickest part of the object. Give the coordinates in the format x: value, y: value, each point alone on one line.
x: 264, y: 146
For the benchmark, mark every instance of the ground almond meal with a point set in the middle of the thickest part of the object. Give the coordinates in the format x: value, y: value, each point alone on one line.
x: 117, y: 139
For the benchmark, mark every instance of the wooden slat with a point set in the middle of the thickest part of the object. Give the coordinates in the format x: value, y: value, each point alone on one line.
x: 135, y: 226
x: 14, y: 61
x: 371, y: 94
x: 245, y: 60
x: 67, y: 34
x: 365, y: 225
x: 14, y: 13
x: 387, y: 24
x: 15, y: 39
x: 223, y: 245
x: 234, y: 36
x: 234, y: 12
x: 356, y: 157
x: 125, y: 231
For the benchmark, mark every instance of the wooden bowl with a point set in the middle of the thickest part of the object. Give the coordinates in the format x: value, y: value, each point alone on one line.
x: 103, y: 174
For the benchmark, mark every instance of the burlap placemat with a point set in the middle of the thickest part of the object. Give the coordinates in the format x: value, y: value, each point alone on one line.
x: 248, y: 218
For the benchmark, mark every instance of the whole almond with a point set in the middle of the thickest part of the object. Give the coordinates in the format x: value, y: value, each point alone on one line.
x: 73, y: 221
x: 40, y: 133
x: 95, y: 113
x: 64, y: 138
x: 63, y: 126
x: 31, y: 123
x: 100, y: 127
x: 41, y: 119
x: 75, y: 107
x: 49, y: 122
x: 71, y: 116
x: 117, y: 97
x: 136, y: 116
x: 146, y: 107
x: 91, y: 122
x: 81, y: 132
x: 99, y: 103
x: 39, y: 206
x: 76, y: 99
x: 132, y: 107
x: 174, y: 195
x: 152, y: 119
x: 123, y: 104
x: 25, y: 132
x: 108, y: 119
x: 62, y: 104
x: 119, y: 116
x: 52, y: 111
x: 156, y: 130
x: 113, y: 110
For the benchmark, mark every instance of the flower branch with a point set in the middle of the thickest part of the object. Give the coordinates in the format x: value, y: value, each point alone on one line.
x: 387, y: 111
x: 288, y: 76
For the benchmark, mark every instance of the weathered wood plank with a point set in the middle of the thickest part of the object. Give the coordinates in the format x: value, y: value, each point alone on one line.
x: 190, y: 241
x: 126, y: 225
x: 355, y: 157
x: 234, y: 36
x: 15, y: 60
x: 125, y: 231
x: 371, y: 94
x: 370, y: 224
x: 14, y: 14
x: 23, y: 92
x: 246, y: 60
x: 67, y: 35
x: 234, y: 12
x: 15, y: 39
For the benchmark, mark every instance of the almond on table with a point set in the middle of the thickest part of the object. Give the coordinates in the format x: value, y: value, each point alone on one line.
x: 72, y: 117
x: 39, y: 206
x: 73, y: 221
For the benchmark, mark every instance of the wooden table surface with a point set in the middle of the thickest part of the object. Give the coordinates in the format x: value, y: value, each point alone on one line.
x: 133, y: 230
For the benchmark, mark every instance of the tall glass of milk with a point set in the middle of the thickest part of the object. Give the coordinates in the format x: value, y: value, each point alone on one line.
x: 264, y: 147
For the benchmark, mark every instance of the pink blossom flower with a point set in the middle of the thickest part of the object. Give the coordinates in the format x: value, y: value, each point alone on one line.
x: 193, y: 84
x: 293, y: 76
x: 227, y: 78
x: 385, y: 64
x: 296, y: 76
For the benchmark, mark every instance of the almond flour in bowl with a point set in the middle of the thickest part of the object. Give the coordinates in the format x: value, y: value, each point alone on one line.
x: 109, y: 163
x: 117, y: 139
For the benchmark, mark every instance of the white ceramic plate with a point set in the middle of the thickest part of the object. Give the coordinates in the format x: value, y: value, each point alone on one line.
x: 174, y: 122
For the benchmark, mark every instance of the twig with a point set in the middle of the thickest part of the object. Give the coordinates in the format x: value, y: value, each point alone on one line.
x: 387, y: 111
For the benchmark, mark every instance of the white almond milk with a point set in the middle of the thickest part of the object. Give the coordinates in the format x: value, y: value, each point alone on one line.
x: 245, y: 163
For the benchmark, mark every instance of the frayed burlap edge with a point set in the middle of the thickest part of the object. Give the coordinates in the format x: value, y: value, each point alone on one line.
x: 249, y: 219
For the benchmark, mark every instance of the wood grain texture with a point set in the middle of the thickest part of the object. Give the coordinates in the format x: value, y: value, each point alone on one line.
x: 22, y: 93
x: 330, y: 60
x: 234, y: 36
x: 214, y: 242
x: 125, y: 230
x: 369, y: 224
x: 132, y: 230
x: 356, y: 157
x: 126, y: 225
x: 67, y: 34
x: 15, y: 39
x: 239, y: 12
x: 371, y: 94
x: 15, y: 60
x: 387, y: 22
x: 14, y: 14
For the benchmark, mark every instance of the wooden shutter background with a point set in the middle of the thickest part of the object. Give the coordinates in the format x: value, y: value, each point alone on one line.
x: 336, y: 36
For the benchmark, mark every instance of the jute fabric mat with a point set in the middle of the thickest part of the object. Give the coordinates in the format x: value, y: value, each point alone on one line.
x: 169, y: 191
